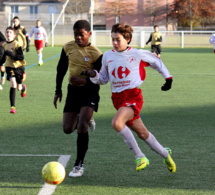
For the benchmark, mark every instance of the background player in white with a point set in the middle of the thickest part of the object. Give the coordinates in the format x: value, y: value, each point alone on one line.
x: 212, y: 41
x: 39, y: 34
x: 124, y: 67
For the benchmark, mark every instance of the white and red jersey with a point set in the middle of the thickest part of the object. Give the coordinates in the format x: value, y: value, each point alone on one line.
x: 39, y: 33
x: 126, y: 70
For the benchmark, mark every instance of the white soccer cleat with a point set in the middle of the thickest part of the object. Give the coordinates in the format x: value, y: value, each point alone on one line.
x: 1, y: 88
x: 92, y: 125
x: 77, y: 171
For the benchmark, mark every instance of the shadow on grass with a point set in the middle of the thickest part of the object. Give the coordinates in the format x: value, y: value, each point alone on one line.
x: 188, y: 131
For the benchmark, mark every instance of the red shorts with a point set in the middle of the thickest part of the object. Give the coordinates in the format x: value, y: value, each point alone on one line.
x: 38, y: 44
x: 130, y: 97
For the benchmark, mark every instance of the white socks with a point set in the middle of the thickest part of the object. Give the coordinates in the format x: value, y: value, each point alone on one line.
x: 130, y: 140
x: 40, y: 59
x: 156, y: 146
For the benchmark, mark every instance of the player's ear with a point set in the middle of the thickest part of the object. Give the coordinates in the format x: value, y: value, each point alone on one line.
x: 90, y: 33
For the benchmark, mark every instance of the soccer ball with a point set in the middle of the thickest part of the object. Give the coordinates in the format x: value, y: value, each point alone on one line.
x: 53, y: 173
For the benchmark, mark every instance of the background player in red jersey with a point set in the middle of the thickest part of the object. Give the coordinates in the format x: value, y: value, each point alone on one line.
x: 124, y: 68
x: 39, y: 34
x: 82, y: 100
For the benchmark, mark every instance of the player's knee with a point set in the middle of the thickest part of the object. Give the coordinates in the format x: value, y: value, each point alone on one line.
x: 82, y: 127
x: 67, y: 129
x: 142, y: 135
x: 117, y: 125
x: 19, y: 87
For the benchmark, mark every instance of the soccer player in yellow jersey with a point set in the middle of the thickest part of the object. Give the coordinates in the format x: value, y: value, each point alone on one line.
x: 2, y: 60
x: 21, y: 32
x: 14, y: 66
x: 155, y: 39
x: 82, y: 100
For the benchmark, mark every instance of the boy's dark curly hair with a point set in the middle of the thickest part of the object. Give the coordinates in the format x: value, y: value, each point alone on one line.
x: 82, y: 24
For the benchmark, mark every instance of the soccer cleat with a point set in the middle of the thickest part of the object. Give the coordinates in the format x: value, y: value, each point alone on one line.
x: 77, y: 171
x: 141, y: 163
x: 3, y: 80
x: 92, y: 125
x: 40, y: 63
x: 12, y: 110
x: 23, y: 93
x: 1, y: 88
x: 24, y: 76
x: 169, y: 161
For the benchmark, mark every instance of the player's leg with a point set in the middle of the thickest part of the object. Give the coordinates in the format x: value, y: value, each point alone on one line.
x: 69, y: 122
x: 85, y: 115
x: 152, y: 142
x: 2, y: 68
x: 214, y: 47
x: 123, y: 115
x: 13, y: 95
x: 19, y: 77
x: 159, y: 50
x: 39, y: 45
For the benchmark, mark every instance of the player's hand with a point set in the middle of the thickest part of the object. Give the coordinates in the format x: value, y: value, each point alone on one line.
x: 77, y: 80
x: 167, y: 85
x: 56, y: 97
x: 146, y: 43
x: 46, y: 44
x: 27, y: 49
x: 89, y: 73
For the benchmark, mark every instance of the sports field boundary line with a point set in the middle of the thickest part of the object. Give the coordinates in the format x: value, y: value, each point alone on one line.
x: 36, y: 64
x: 46, y: 189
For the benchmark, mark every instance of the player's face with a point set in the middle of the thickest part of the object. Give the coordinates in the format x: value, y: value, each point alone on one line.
x: 38, y: 24
x: 10, y: 35
x: 156, y: 29
x: 82, y: 37
x: 118, y: 41
x: 16, y: 22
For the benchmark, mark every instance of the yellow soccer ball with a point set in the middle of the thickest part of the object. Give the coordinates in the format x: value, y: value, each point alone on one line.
x: 53, y: 173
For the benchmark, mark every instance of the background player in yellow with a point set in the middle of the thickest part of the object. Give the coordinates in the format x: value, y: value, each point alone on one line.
x: 2, y: 60
x: 21, y: 34
x: 82, y: 100
x: 155, y: 39
x: 14, y: 66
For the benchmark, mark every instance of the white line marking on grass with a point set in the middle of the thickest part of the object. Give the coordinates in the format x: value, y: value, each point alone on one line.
x: 22, y: 155
x: 48, y: 189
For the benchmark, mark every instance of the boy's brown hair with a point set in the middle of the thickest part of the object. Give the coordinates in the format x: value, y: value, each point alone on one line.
x: 11, y: 28
x: 124, y: 29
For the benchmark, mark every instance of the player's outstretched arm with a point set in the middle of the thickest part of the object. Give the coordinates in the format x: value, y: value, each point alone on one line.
x: 167, y: 85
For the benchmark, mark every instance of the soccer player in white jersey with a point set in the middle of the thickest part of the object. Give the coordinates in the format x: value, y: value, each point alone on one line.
x: 39, y: 35
x: 124, y: 67
x: 212, y: 41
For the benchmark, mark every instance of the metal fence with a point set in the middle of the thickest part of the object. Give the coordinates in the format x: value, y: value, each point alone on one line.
x: 63, y: 32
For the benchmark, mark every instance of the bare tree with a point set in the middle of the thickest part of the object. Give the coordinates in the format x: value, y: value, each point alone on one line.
x: 152, y: 8
x: 119, y: 8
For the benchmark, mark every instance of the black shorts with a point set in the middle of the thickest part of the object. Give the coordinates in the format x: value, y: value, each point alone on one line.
x: 156, y: 49
x: 15, y: 72
x: 81, y: 96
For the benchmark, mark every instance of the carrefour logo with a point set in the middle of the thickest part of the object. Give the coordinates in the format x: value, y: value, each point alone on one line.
x: 121, y: 72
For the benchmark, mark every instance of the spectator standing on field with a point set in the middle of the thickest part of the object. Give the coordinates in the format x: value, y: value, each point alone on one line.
x: 155, y: 39
x: 39, y: 35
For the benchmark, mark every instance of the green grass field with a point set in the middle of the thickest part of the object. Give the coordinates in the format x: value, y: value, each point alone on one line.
x: 182, y: 119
